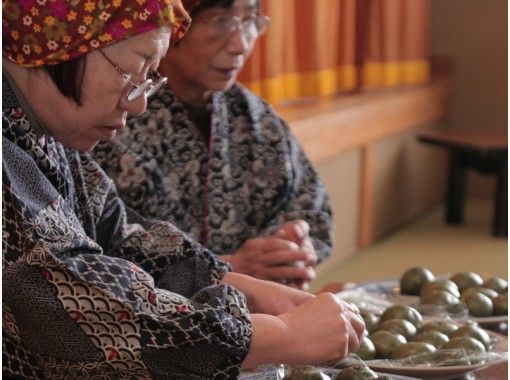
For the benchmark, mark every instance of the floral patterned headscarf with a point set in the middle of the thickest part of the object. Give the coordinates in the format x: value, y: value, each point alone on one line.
x: 47, y: 32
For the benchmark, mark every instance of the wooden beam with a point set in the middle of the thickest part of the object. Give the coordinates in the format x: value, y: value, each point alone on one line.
x: 328, y: 127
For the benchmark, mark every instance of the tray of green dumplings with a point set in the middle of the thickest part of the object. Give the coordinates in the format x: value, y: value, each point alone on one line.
x: 400, y: 340
x: 462, y: 295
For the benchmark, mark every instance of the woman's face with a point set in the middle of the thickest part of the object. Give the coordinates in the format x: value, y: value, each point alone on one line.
x: 104, y: 105
x: 205, y: 60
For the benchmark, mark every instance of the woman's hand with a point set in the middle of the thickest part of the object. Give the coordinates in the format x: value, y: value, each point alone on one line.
x: 320, y: 330
x: 326, y: 329
x: 298, y: 231
x: 265, y: 296
x: 274, y: 258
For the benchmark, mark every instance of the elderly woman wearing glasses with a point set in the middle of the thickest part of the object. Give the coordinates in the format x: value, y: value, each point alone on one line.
x: 86, y: 295
x: 217, y: 161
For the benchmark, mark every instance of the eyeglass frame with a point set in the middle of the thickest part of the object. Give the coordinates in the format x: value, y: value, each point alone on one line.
x: 238, y: 23
x: 152, y: 86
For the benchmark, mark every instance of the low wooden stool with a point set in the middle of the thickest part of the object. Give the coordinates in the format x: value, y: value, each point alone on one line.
x: 485, y: 151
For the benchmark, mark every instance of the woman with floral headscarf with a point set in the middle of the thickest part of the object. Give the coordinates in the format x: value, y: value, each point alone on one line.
x: 86, y: 295
x: 217, y: 161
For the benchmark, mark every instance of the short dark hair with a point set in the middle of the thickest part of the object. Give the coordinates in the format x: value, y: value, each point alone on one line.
x: 205, y: 4
x: 68, y: 77
x: 210, y: 4
x: 214, y: 3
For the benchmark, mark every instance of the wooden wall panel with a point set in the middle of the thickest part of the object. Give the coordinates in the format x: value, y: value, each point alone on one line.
x: 390, y: 190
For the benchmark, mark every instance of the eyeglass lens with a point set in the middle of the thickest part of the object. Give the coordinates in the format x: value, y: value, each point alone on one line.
x: 254, y: 26
x: 149, y: 87
x: 251, y: 27
x: 156, y: 86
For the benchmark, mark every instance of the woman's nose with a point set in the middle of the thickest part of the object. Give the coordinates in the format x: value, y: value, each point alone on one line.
x: 135, y: 107
x: 238, y: 42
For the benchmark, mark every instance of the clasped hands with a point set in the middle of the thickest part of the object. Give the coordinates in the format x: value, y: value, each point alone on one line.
x: 287, y: 256
x: 295, y: 327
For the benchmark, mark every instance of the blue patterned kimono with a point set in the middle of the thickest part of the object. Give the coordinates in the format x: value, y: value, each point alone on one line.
x: 87, y: 296
x: 247, y: 179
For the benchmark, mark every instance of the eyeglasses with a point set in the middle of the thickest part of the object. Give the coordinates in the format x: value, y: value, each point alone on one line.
x: 147, y: 87
x: 223, y: 24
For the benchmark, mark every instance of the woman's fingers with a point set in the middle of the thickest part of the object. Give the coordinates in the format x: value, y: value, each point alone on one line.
x: 327, y: 328
x: 286, y: 257
x: 283, y: 272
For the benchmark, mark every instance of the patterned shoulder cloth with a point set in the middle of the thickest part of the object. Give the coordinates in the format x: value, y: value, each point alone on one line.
x: 249, y: 179
x: 86, y: 295
x: 304, y: 195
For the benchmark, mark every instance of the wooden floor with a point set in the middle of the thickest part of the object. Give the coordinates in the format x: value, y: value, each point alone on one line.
x: 428, y: 242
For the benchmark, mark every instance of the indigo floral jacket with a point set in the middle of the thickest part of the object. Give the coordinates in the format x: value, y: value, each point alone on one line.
x: 251, y: 176
x: 87, y: 296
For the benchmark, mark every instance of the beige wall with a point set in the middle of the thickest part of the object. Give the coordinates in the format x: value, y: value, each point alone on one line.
x: 341, y: 176
x: 408, y: 178
x: 474, y: 34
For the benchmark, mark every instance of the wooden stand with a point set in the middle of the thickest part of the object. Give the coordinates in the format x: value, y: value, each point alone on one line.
x: 485, y: 151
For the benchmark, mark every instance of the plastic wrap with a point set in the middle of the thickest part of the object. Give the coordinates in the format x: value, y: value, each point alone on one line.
x: 279, y: 372
x: 378, y: 302
x: 445, y: 362
x: 376, y: 296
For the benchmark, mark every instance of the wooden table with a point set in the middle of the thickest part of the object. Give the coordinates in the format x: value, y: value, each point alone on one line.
x: 485, y: 151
